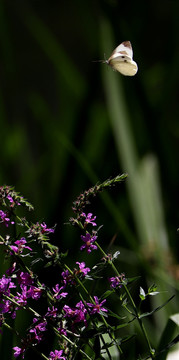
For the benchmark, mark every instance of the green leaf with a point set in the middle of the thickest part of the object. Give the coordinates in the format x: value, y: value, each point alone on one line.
x: 131, y: 280
x: 107, y: 293
x: 110, y: 313
x: 171, y: 328
x: 152, y: 288
x: 126, y: 338
x: 156, y: 309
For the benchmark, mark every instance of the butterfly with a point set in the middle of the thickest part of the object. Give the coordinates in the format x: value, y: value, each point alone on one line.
x: 121, y: 59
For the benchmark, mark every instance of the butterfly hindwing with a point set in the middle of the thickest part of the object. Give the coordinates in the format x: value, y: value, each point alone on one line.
x: 121, y: 59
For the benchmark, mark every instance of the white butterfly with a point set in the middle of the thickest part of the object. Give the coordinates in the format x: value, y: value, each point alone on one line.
x: 121, y: 59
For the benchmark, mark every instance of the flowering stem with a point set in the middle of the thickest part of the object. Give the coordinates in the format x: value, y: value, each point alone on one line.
x: 92, y: 300
x: 23, y: 307
x: 72, y: 343
x: 131, y: 300
x: 32, y: 347
x: 102, y: 317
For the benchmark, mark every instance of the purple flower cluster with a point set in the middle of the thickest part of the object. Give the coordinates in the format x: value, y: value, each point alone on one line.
x: 26, y: 291
x: 11, y: 199
x: 117, y: 281
x: 20, y: 246
x: 70, y: 278
x: 57, y: 354
x: 88, y: 242
x: 20, y: 285
x: 5, y: 219
x: 88, y: 239
x: 79, y: 313
x: 88, y: 219
x: 35, y: 336
x: 37, y: 231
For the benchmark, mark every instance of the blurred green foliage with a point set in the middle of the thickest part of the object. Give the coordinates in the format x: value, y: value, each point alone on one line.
x: 67, y: 122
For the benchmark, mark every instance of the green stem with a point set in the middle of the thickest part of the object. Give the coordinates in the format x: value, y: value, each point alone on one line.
x: 32, y: 347
x: 132, y: 303
x: 92, y: 300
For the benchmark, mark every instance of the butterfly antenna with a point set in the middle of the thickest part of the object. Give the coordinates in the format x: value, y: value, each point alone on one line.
x: 99, y: 61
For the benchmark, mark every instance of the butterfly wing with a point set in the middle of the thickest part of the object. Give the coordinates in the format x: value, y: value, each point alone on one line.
x: 124, y: 49
x: 121, y: 59
x: 124, y: 66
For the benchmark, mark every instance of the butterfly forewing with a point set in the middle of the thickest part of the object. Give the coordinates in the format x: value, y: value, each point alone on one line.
x: 121, y: 59
x: 124, y: 49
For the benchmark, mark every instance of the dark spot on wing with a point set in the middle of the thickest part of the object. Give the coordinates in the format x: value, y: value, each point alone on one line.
x: 127, y: 44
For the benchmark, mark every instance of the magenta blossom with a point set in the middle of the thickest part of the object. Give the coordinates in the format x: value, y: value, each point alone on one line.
x: 88, y: 240
x: 11, y: 269
x: 77, y: 314
x: 67, y: 278
x: 62, y: 331
x: 117, y: 281
x: 34, y: 292
x: 58, y: 292
x: 52, y: 313
x: 20, y: 246
x: 97, y: 307
x: 38, y: 329
x: 89, y: 219
x: 6, y: 306
x: 82, y: 269
x: 45, y: 229
x: 21, y: 299
x: 24, y: 278
x: 5, y: 285
x: 18, y: 351
x: 57, y: 354
x: 5, y: 219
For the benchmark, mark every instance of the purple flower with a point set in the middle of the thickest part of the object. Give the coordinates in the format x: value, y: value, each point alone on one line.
x: 5, y: 285
x: 52, y: 313
x: 41, y: 326
x: 18, y: 351
x: 11, y: 269
x: 7, y: 307
x: 58, y: 294
x: 4, y: 218
x: 57, y: 354
x: 21, y: 299
x: 9, y: 197
x: 38, y: 231
x: 88, y: 240
x: 82, y: 270
x: 68, y: 311
x: 97, y: 307
x: 38, y: 329
x: 78, y: 313
x: 62, y: 331
x: 24, y: 278
x: 45, y: 229
x: 89, y: 219
x: 67, y: 278
x: 117, y: 281
x: 34, y: 292
x: 20, y: 246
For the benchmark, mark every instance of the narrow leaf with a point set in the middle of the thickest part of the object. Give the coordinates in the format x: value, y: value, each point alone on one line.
x: 156, y: 309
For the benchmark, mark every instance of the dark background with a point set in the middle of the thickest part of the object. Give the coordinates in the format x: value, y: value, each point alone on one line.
x: 56, y: 134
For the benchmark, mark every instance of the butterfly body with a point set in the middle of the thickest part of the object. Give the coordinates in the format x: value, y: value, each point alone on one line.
x: 121, y: 59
